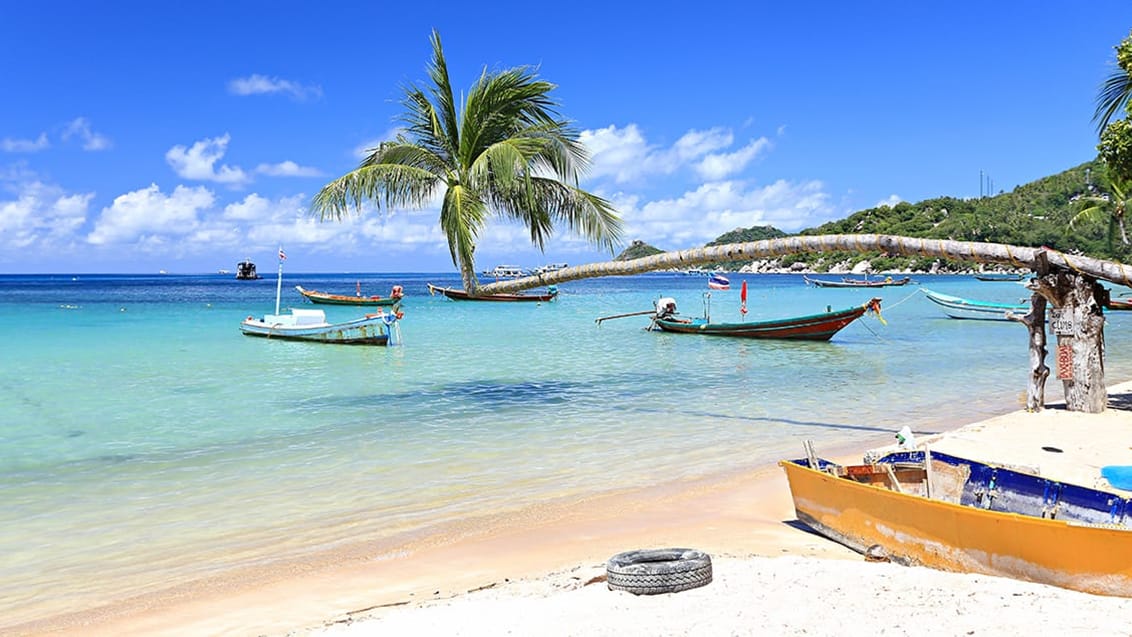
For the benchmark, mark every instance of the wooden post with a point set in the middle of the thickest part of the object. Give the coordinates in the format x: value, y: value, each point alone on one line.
x: 1077, y: 321
x: 1035, y: 323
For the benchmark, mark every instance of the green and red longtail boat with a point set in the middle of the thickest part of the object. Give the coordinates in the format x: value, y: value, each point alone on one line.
x: 815, y: 327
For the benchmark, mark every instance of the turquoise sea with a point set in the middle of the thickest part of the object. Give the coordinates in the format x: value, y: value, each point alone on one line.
x: 145, y: 441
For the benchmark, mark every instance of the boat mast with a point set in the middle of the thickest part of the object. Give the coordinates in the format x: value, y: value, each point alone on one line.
x: 279, y: 280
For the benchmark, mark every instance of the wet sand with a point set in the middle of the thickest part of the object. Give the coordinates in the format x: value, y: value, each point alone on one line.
x: 482, y: 576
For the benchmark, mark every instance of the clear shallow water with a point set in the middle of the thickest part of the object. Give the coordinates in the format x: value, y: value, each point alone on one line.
x: 145, y: 441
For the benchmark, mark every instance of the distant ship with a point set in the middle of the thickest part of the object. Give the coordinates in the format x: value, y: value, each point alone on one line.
x: 246, y: 270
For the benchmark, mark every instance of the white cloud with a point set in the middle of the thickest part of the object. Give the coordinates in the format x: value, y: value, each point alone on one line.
x: 625, y: 155
x: 262, y: 210
x: 252, y: 208
x: 42, y: 217
x: 198, y: 162
x: 10, y: 145
x: 701, y: 215
x: 722, y: 165
x: 622, y: 154
x: 80, y: 128
x: 890, y: 201
x: 695, y: 143
x: 150, y: 217
x: 257, y: 84
x: 287, y: 169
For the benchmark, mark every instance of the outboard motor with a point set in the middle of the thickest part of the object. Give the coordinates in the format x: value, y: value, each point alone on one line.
x: 665, y: 307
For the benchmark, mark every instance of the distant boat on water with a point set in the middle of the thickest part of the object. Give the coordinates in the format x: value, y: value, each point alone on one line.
x: 959, y: 308
x: 848, y: 282
x: 999, y: 276
x: 314, y: 296
x: 505, y: 272
x: 550, y: 267
x: 461, y: 295
x: 245, y: 270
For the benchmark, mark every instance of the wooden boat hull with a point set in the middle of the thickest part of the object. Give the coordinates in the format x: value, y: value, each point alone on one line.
x: 460, y: 295
x: 369, y: 330
x: 998, y: 277
x: 960, y: 308
x: 326, y: 298
x: 915, y: 530
x: 849, y: 283
x: 816, y: 327
x: 1118, y: 305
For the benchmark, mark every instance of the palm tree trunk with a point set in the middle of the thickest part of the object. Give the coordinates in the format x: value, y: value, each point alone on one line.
x: 999, y: 253
x: 468, y: 277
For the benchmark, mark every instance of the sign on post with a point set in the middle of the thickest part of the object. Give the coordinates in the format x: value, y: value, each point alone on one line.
x: 1065, y: 362
x: 1061, y: 322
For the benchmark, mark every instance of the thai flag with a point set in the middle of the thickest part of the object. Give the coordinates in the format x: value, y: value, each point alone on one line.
x: 719, y: 282
x: 282, y: 255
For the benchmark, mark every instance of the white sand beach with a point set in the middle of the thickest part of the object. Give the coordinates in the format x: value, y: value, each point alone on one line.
x: 786, y: 588
x: 541, y: 573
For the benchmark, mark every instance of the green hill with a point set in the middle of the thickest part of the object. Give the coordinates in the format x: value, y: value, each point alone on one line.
x: 636, y: 250
x: 1033, y: 214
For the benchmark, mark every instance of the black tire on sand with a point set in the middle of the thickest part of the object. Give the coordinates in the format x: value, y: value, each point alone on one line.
x: 656, y: 571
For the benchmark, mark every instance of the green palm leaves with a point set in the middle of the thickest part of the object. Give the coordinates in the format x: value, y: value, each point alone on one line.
x: 505, y: 152
x: 1117, y: 88
x: 1102, y: 208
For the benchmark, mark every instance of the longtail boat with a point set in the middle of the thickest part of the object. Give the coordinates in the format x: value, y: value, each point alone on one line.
x: 311, y: 325
x: 1119, y: 304
x: 815, y: 327
x: 955, y: 514
x: 327, y: 298
x: 858, y: 283
x: 999, y: 276
x: 960, y: 308
x: 461, y: 295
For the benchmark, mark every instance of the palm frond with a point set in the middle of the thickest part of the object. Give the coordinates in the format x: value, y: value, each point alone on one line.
x: 462, y: 218
x: 551, y: 201
x: 387, y: 185
x: 1113, y: 97
x: 446, y: 110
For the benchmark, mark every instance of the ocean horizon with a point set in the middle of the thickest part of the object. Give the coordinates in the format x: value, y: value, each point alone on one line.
x: 146, y: 442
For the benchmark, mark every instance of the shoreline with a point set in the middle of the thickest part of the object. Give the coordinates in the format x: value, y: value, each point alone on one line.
x: 744, y: 515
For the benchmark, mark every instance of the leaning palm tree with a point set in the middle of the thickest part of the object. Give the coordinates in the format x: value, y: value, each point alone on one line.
x: 1116, y: 90
x: 1100, y: 208
x: 504, y: 152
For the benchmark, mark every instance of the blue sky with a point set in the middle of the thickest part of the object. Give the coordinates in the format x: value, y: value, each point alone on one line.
x: 145, y: 136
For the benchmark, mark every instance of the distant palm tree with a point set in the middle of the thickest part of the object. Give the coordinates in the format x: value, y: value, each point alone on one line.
x: 505, y: 152
x: 1117, y: 88
x: 1099, y: 208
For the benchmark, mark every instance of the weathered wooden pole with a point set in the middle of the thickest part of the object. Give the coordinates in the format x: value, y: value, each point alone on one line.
x: 1035, y: 322
x: 1077, y: 320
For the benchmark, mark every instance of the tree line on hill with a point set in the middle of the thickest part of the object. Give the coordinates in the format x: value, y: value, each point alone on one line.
x: 1044, y: 212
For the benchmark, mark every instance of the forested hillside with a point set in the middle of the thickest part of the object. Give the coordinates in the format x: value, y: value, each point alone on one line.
x: 1034, y: 214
